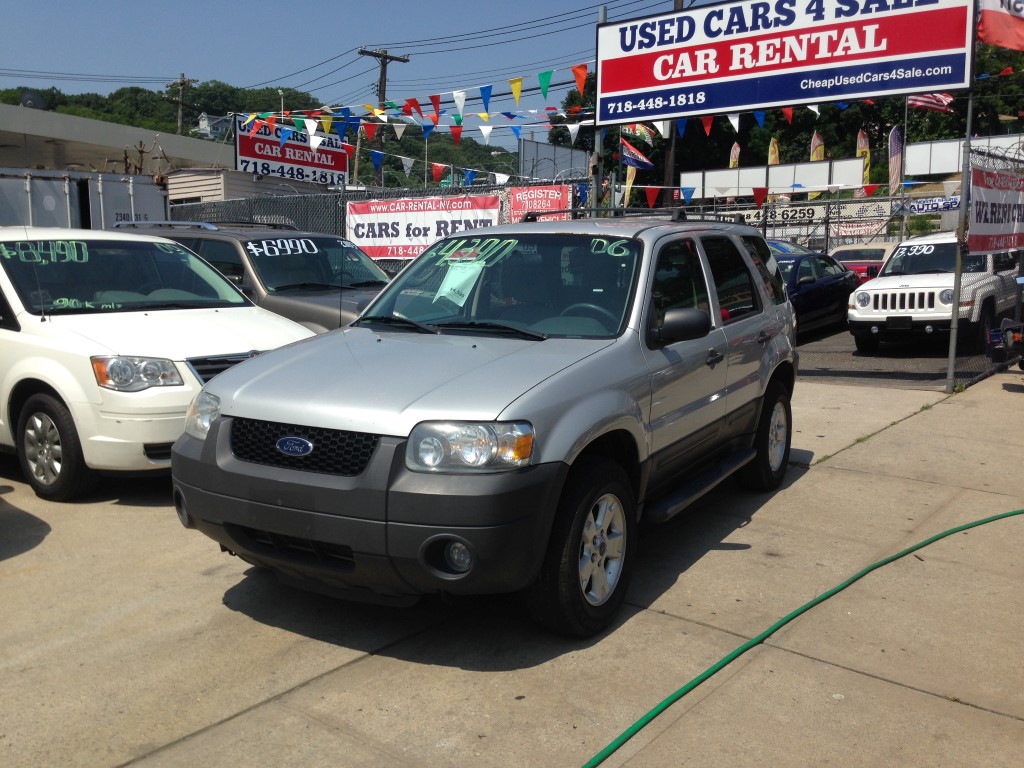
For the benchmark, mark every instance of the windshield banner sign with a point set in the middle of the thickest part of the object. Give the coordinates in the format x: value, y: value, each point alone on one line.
x: 744, y: 56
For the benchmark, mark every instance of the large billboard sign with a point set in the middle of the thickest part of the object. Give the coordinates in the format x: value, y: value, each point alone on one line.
x: 997, y: 211
x: 744, y: 56
x: 279, y: 151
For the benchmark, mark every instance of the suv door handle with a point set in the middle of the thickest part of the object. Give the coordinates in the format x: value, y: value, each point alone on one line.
x: 714, y: 357
x: 764, y: 337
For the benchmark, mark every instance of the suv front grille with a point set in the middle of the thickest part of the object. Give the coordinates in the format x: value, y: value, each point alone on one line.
x: 906, y: 301
x: 205, y: 368
x: 334, y: 452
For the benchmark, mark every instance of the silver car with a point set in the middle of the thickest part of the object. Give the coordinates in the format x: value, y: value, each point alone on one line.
x: 502, y: 416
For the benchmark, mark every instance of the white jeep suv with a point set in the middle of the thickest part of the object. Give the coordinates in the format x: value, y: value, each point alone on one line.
x: 913, y: 294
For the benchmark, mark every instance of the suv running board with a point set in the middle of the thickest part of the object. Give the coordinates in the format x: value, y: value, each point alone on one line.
x: 668, y: 507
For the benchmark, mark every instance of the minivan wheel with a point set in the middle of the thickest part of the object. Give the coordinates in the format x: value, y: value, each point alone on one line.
x: 772, y: 442
x: 50, y: 452
x: 589, y: 561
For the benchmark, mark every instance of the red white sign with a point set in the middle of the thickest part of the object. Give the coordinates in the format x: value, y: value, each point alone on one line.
x: 997, y: 211
x: 557, y: 197
x: 407, y: 226
x: 281, y: 151
x: 1002, y: 23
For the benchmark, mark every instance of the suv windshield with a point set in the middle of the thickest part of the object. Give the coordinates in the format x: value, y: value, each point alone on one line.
x: 296, y: 263
x: 923, y: 258
x: 76, y: 276
x: 552, y: 285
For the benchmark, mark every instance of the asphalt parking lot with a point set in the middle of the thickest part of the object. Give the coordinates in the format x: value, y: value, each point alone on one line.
x: 131, y: 641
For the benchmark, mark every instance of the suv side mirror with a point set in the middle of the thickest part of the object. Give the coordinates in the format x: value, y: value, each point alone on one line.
x: 681, y: 325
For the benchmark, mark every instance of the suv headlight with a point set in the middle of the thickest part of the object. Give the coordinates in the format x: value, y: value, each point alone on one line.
x: 133, y: 374
x: 436, y: 446
x: 863, y: 299
x: 203, y: 409
x: 946, y: 296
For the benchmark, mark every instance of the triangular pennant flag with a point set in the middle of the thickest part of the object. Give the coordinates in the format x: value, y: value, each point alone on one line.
x: 833, y: 188
x: 456, y: 131
x: 434, y: 117
x: 681, y: 127
x: 1007, y: 71
x: 316, y: 141
x: 759, y: 117
x: 516, y: 84
x: 760, y: 193
x: 249, y: 119
x: 427, y: 128
x: 327, y: 121
x: 735, y: 120
x: 687, y: 193
x: 580, y: 71
x: 516, y: 130
x: 501, y: 178
x: 399, y: 130
x: 377, y: 157
x: 652, y: 195
x: 869, y: 189
x: 457, y: 118
x: 842, y: 104
x: 406, y: 164
x: 484, y: 116
x: 354, y: 123
x: 544, y: 78
x: 813, y: 108
x: 272, y: 121
x: 485, y: 96
x: 370, y: 129
x: 436, y: 101
x: 707, y: 120
x: 663, y: 127
x: 574, y: 128
x: 460, y: 101
x: 438, y: 169
x: 349, y: 149
x: 286, y: 133
x: 468, y: 174
x: 584, y: 192
x: 486, y: 131
x: 256, y: 126
x: 410, y: 105
x: 788, y: 112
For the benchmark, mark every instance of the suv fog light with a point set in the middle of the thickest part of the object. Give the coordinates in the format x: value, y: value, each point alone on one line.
x: 874, y: 329
x: 458, y: 557
x: 928, y: 329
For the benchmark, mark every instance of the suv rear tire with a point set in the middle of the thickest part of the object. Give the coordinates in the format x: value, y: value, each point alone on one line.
x: 772, y: 442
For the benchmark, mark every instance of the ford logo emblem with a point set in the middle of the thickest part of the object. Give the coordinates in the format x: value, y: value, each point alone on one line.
x: 294, y: 446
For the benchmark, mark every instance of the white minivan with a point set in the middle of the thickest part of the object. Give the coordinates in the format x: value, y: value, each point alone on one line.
x: 105, y: 338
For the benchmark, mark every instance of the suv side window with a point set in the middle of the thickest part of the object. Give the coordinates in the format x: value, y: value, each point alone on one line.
x: 737, y: 293
x: 764, y: 261
x: 679, y: 281
x: 223, y: 256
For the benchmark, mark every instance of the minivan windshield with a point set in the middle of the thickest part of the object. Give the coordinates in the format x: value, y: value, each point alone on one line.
x: 76, y: 276
x: 311, y: 263
x: 528, y: 285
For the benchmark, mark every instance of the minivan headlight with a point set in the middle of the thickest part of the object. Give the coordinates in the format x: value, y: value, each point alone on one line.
x: 133, y: 374
x: 863, y: 299
x: 203, y: 409
x: 436, y: 446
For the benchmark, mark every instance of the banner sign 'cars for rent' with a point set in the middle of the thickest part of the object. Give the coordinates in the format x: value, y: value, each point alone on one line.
x: 997, y: 211
x: 405, y: 227
x: 742, y: 56
x: 281, y: 151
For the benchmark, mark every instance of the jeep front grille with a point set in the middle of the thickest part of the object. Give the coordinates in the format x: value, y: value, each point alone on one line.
x: 205, y: 368
x: 334, y: 452
x: 906, y: 301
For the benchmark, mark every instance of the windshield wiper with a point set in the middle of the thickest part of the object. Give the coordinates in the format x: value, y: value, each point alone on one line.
x: 366, y: 284
x: 404, y: 322
x: 478, y: 325
x: 307, y: 286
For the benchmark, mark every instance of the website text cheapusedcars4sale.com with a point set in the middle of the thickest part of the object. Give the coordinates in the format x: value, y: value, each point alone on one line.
x: 734, y: 56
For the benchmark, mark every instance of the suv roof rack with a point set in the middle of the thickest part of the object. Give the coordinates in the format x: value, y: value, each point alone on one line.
x: 674, y: 214
x: 207, y: 225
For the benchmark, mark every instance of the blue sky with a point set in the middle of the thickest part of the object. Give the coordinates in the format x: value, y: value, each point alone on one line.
x: 452, y: 45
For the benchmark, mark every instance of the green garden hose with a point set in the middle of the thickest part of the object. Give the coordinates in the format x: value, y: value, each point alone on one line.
x: 635, y: 728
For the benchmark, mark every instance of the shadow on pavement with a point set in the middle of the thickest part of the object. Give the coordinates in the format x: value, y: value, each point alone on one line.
x: 21, y: 531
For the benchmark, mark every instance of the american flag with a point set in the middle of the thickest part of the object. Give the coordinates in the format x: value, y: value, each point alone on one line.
x: 895, y: 159
x: 937, y: 102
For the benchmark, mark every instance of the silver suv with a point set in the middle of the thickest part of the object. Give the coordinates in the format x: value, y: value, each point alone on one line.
x: 503, y: 416
x: 319, y: 280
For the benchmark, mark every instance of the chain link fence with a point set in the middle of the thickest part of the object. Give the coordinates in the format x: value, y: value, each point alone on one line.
x: 820, y: 224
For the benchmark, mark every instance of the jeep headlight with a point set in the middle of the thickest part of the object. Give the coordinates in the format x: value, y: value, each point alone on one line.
x: 133, y: 374
x: 946, y: 296
x: 436, y: 446
x: 863, y: 299
x: 203, y: 409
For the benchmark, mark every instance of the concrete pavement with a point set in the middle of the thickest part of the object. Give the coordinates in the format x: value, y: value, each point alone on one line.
x: 128, y: 640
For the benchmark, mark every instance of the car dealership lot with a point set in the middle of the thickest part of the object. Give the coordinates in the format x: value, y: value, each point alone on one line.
x: 130, y: 640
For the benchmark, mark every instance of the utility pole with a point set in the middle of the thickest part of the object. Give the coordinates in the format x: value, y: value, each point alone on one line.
x: 670, y: 180
x: 382, y: 84
x: 181, y: 83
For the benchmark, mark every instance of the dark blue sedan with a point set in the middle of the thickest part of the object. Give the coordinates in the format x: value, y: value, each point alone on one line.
x: 819, y: 287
